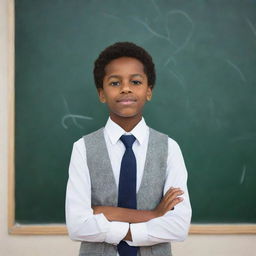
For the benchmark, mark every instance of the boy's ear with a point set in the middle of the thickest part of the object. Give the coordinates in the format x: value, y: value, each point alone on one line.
x: 101, y: 95
x: 149, y: 93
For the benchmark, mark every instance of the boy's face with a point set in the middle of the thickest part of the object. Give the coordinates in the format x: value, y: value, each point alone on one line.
x: 125, y: 88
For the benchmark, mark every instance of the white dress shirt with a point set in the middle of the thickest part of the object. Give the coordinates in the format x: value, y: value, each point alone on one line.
x: 83, y: 225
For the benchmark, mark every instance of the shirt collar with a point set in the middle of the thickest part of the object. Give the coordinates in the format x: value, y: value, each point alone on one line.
x: 114, y: 131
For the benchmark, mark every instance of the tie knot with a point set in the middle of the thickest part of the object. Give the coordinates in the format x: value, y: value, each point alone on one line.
x: 128, y: 140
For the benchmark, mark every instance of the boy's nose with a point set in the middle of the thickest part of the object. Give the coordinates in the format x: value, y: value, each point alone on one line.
x: 126, y: 87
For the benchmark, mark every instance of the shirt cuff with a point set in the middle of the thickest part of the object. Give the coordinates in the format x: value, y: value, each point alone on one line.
x: 139, y: 232
x: 117, y: 231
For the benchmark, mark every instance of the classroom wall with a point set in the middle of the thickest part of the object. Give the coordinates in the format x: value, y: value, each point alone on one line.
x: 10, y: 245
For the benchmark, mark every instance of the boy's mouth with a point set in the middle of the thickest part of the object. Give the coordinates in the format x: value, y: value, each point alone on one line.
x: 126, y: 101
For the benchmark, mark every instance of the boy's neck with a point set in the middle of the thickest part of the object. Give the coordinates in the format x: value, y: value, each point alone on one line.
x: 127, y: 123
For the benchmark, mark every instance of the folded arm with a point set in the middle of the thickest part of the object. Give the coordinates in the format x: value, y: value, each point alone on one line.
x: 168, y: 202
x: 112, y: 213
x: 171, y: 225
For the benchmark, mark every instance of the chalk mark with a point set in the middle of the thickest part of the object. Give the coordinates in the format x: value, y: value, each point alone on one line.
x: 243, y: 175
x: 248, y: 136
x: 156, y: 7
x: 235, y: 67
x: 178, y: 78
x: 167, y: 31
x: 251, y: 26
x: 188, y: 107
x: 189, y: 36
x: 74, y: 117
x: 152, y: 31
x: 111, y: 16
x: 212, y: 112
x: 167, y: 36
x: 171, y: 58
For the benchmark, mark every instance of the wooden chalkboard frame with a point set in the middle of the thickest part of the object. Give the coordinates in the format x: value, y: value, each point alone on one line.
x: 54, y: 229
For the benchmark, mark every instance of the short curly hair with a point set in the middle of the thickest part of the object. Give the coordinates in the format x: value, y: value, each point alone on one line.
x: 123, y: 49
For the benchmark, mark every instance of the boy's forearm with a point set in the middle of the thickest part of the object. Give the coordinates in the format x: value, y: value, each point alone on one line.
x: 124, y: 214
x: 112, y: 213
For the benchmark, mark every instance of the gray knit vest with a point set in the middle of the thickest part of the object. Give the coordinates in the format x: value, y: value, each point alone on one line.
x: 104, y: 190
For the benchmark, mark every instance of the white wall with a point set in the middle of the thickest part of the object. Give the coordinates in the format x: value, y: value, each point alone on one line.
x: 10, y: 245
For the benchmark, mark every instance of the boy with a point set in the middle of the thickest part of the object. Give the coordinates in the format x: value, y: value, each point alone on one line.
x: 119, y: 174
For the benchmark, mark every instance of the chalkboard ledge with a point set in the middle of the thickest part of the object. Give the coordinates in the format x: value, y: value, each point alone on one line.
x: 222, y: 229
x: 54, y: 229
x: 38, y: 229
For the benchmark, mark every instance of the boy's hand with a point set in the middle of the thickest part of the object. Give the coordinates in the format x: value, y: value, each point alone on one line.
x: 170, y: 199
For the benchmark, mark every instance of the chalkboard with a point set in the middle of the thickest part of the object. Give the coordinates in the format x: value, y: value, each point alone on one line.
x: 205, y: 95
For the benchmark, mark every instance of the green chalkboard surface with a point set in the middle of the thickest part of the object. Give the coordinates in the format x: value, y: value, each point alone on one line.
x: 205, y: 95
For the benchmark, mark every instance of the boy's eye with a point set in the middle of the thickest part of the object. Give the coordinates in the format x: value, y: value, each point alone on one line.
x: 136, y: 82
x: 115, y: 83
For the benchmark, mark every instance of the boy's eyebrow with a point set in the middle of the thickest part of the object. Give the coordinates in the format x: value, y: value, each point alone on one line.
x: 113, y: 76
x: 137, y: 75
x: 116, y: 76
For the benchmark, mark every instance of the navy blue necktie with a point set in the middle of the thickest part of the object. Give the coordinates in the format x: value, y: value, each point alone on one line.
x: 127, y: 188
